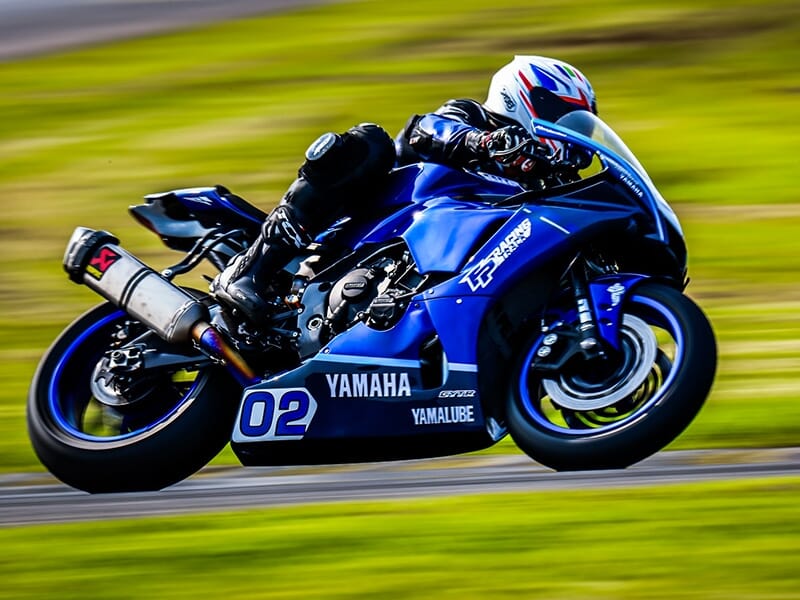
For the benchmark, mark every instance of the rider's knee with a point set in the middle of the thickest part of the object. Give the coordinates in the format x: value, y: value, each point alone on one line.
x: 338, y: 170
x: 358, y: 156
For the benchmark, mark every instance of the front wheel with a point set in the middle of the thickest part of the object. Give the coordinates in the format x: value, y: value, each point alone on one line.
x: 142, y: 432
x: 612, y: 412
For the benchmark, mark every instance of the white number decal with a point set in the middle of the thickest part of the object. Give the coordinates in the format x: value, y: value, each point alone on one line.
x: 275, y: 415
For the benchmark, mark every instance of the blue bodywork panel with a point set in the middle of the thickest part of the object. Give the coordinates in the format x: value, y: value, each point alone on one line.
x: 372, y: 393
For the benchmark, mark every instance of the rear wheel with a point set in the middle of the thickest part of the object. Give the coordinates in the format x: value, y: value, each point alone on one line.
x: 610, y: 413
x: 105, y: 433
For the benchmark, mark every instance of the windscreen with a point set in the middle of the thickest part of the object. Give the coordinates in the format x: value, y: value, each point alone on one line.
x: 590, y: 125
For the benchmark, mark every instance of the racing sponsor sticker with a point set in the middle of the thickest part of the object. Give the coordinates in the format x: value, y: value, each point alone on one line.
x: 482, y: 274
x: 458, y: 393
x: 101, y: 262
x: 443, y: 415
x: 368, y: 385
x: 616, y: 291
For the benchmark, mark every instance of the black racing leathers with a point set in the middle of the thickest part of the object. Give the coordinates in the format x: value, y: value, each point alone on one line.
x: 443, y: 136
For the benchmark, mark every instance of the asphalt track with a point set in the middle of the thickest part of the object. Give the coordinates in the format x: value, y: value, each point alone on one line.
x: 34, y: 27
x: 37, y: 499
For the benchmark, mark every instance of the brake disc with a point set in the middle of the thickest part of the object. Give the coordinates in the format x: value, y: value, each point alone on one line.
x: 640, y: 348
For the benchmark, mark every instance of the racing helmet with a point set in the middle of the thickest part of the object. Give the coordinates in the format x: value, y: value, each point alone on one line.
x: 540, y: 87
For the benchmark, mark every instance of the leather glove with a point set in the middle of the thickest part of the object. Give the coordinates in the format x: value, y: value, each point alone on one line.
x: 512, y: 147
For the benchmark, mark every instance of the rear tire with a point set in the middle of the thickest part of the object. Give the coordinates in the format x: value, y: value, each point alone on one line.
x: 619, y: 430
x: 153, y: 443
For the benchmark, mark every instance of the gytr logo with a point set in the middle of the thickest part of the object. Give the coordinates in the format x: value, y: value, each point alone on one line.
x: 481, y: 275
x: 282, y: 414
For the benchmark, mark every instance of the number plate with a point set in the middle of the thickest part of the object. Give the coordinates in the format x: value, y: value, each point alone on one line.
x: 277, y: 414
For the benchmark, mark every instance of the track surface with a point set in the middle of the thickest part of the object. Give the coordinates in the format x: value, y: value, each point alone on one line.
x: 33, y: 499
x: 31, y: 27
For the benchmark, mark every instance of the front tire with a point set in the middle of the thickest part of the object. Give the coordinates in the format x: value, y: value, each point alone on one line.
x: 179, y: 422
x: 577, y: 420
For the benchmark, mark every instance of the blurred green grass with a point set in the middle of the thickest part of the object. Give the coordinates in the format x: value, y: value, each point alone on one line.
x: 732, y: 541
x: 705, y: 93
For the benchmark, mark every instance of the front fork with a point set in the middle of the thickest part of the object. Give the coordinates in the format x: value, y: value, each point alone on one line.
x: 598, y: 304
x: 587, y: 327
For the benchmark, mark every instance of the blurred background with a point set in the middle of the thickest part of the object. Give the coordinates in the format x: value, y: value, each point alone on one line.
x: 705, y: 92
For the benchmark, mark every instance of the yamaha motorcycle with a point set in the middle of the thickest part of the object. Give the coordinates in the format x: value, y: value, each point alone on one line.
x: 465, y: 307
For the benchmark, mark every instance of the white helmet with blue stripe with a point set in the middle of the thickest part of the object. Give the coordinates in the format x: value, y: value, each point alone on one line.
x: 538, y: 87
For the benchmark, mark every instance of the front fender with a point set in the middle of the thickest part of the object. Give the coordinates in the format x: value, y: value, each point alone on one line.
x: 607, y: 296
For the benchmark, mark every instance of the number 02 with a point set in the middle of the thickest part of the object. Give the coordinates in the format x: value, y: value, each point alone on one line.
x: 288, y: 418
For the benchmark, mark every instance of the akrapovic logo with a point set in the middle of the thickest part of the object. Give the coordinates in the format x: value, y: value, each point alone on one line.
x: 101, y: 262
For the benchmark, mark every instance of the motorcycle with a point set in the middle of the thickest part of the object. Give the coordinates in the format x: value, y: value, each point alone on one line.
x: 463, y: 308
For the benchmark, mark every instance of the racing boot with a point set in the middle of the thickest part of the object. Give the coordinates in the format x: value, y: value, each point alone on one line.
x: 336, y: 168
x: 248, y: 277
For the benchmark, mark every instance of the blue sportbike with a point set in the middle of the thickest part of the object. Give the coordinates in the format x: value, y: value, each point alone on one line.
x: 464, y: 307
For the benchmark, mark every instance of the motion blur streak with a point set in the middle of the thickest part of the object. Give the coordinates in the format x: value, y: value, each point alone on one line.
x: 31, y: 27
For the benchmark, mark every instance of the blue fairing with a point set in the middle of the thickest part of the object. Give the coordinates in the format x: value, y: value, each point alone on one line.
x: 182, y: 217
x: 453, y: 310
x: 473, y: 238
x: 531, y: 238
x: 453, y: 320
x: 443, y: 234
x: 627, y: 171
x: 421, y: 182
x: 441, y: 212
x: 207, y: 201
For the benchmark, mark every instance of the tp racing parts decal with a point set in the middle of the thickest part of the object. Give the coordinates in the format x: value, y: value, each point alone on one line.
x: 481, y: 275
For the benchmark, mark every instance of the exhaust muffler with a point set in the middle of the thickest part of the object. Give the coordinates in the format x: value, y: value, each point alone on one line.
x: 95, y: 259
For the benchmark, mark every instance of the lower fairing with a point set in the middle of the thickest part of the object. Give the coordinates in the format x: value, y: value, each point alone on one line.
x: 359, y: 450
x: 340, y: 409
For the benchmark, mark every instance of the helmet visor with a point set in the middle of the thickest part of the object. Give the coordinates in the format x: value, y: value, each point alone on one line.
x: 550, y: 107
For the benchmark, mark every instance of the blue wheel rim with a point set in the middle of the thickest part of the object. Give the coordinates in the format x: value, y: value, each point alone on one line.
x: 68, y: 392
x: 657, y: 315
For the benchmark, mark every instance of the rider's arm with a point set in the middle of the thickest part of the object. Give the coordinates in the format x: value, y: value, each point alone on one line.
x: 447, y: 135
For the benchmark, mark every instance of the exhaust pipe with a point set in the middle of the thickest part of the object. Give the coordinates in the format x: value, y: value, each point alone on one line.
x: 95, y: 259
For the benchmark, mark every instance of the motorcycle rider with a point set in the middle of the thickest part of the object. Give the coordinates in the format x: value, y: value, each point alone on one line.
x: 496, y: 136
x: 340, y: 168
